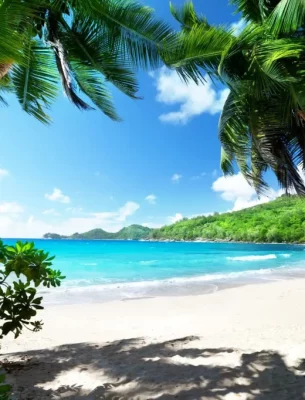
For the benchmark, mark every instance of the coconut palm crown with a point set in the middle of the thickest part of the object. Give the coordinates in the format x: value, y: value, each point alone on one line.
x: 83, y: 44
x: 262, y: 125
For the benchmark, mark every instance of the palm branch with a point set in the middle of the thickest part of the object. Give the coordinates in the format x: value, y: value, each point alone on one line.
x: 262, y: 125
x: 87, y: 45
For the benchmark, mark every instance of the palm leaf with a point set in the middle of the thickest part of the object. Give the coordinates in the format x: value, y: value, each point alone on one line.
x: 35, y: 80
x: 199, y: 48
x: 88, y: 45
x: 254, y: 10
x: 187, y: 16
x: 130, y: 26
x: 233, y: 134
x: 13, y: 14
x: 262, y: 125
x: 287, y: 17
x: 94, y: 87
x: 279, y: 140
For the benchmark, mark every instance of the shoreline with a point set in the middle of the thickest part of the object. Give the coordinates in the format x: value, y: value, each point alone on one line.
x: 233, y: 344
x: 248, y: 296
x: 197, y: 240
x: 171, y: 287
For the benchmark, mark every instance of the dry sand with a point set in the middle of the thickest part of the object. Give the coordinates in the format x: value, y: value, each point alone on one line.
x: 240, y: 343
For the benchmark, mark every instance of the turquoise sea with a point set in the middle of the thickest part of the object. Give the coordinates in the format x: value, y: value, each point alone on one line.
x: 108, y: 270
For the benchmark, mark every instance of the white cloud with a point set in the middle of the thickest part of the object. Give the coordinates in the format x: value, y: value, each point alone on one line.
x: 50, y: 211
x: 238, y: 27
x: 151, y: 199
x: 10, y: 208
x: 30, y: 227
x: 15, y: 227
x: 236, y: 190
x: 128, y: 209
x: 177, y: 217
x: 58, y: 195
x: 3, y: 173
x: 193, y: 99
x: 176, y: 178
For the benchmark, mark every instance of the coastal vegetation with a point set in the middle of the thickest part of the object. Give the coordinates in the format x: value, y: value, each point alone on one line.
x: 23, y: 268
x: 86, y: 45
x: 281, y: 220
x: 262, y: 125
x: 132, y: 232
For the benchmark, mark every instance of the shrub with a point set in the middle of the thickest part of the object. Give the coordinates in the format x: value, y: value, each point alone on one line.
x: 23, y: 268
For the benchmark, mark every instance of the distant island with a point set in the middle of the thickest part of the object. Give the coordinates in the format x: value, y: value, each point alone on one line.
x: 281, y: 221
x: 132, y: 232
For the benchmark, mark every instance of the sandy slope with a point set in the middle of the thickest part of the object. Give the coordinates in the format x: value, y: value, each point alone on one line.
x: 241, y: 343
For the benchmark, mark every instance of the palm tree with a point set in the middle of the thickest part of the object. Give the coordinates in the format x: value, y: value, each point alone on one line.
x: 262, y: 125
x: 85, y: 44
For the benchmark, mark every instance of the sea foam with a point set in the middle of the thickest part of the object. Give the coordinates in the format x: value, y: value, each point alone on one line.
x: 253, y: 258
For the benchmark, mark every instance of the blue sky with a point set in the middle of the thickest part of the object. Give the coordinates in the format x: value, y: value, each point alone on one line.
x: 85, y: 171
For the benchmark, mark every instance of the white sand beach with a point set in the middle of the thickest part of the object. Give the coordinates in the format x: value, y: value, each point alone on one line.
x: 240, y: 343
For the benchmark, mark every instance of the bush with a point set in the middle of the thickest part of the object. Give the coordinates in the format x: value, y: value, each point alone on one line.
x: 23, y: 268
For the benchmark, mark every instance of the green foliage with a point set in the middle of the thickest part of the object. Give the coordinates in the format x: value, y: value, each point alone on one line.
x: 262, y: 125
x: 5, y: 389
x: 91, y: 235
x: 84, y: 44
x: 281, y: 220
x: 23, y: 268
x: 132, y: 232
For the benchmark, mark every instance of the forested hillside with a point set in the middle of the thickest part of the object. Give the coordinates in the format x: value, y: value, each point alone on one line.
x: 281, y: 220
x: 132, y: 232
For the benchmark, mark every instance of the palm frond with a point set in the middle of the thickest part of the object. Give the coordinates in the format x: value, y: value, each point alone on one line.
x: 254, y: 10
x: 63, y: 66
x: 35, y: 80
x: 94, y: 87
x: 227, y: 162
x: 199, y: 48
x: 130, y: 26
x: 187, y: 15
x: 279, y: 140
x: 239, y: 142
x: 287, y: 17
x: 233, y: 134
x: 13, y: 14
x: 262, y: 125
x: 88, y: 45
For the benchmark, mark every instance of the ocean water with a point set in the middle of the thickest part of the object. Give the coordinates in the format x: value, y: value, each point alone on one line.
x: 122, y: 270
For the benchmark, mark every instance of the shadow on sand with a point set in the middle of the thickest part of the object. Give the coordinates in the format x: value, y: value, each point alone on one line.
x: 133, y: 369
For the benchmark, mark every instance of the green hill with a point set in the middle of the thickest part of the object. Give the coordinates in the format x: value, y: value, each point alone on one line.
x: 132, y: 232
x: 135, y: 232
x: 93, y: 234
x: 281, y: 220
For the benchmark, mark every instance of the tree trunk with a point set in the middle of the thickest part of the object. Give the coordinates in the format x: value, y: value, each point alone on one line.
x: 4, y: 68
